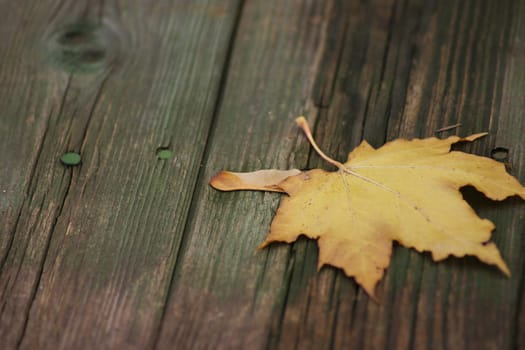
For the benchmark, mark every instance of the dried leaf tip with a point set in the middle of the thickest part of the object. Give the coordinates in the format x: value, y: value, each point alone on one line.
x: 474, y: 136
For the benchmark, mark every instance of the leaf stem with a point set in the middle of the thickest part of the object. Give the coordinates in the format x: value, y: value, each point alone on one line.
x: 303, y: 124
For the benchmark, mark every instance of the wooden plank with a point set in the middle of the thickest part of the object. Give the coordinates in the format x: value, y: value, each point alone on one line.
x: 87, y: 252
x: 510, y: 135
x: 225, y: 295
x: 30, y: 104
x: 410, y: 68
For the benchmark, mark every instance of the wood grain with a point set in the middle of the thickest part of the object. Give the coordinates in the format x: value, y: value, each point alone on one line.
x: 225, y: 294
x: 129, y: 250
x: 90, y: 249
x: 422, y: 66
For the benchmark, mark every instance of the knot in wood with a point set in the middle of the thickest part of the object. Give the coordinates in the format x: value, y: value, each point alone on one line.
x: 84, y: 47
x: 501, y: 154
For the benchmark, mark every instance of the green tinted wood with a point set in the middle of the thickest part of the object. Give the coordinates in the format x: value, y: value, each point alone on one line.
x: 87, y: 256
x: 134, y: 250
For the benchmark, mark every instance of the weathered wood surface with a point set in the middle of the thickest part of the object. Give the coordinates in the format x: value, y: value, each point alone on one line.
x: 128, y: 251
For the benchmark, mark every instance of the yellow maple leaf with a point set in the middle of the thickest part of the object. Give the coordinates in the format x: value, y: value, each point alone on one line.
x: 405, y: 191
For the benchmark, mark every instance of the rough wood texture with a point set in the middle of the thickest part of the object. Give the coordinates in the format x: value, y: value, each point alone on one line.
x: 88, y: 251
x: 128, y: 251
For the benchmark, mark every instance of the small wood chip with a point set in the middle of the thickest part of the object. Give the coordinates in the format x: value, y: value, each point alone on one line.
x: 450, y: 127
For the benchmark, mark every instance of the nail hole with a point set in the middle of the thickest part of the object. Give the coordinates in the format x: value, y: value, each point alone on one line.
x: 164, y: 153
x: 70, y: 159
x: 500, y: 154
